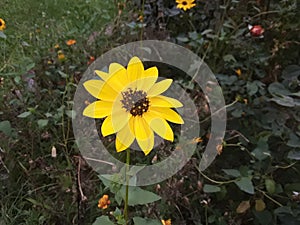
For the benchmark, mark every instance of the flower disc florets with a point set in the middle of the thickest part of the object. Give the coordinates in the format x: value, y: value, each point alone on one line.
x: 135, y: 102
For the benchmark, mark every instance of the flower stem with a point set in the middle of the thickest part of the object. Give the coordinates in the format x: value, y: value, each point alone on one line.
x: 127, y: 186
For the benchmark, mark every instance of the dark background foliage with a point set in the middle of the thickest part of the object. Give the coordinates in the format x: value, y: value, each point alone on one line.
x: 255, y: 178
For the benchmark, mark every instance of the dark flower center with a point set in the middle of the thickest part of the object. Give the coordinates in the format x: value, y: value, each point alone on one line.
x: 0, y: 23
x: 184, y: 3
x: 135, y: 102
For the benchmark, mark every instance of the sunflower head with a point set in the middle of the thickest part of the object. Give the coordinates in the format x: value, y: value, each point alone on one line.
x: 185, y: 4
x: 2, y: 24
x: 130, y: 100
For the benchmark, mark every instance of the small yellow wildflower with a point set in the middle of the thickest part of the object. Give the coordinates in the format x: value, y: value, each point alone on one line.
x: 71, y: 42
x: 166, y: 222
x: 56, y: 46
x: 185, y: 4
x: 61, y: 56
x: 103, y: 202
x: 2, y: 24
x: 238, y: 72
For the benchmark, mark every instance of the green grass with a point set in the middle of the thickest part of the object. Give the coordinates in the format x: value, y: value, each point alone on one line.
x: 35, y: 187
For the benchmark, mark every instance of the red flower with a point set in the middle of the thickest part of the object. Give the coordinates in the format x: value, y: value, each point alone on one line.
x: 256, y: 30
x: 91, y: 59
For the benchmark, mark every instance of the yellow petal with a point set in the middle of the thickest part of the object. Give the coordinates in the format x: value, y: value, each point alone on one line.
x: 151, y: 72
x: 115, y: 122
x: 135, y: 69
x: 167, y: 114
x: 107, y: 93
x: 159, y: 126
x: 148, y: 79
x: 163, y: 101
x: 159, y: 87
x: 147, y: 144
x: 141, y: 128
x: 143, y: 134
x: 98, y: 109
x: 125, y: 136
x: 118, y: 79
x: 104, y: 76
x: 115, y: 67
x: 119, y: 146
x: 107, y: 127
x: 94, y: 87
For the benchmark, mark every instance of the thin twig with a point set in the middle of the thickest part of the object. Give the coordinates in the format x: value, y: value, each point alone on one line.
x: 99, y: 160
x: 83, y: 197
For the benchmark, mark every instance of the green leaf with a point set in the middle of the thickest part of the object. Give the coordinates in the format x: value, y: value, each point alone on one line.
x: 103, y: 220
x: 232, y: 172
x: 146, y: 221
x: 62, y: 74
x: 277, y: 89
x: 108, y: 181
x: 270, y: 185
x: 292, y: 187
x: 245, y: 184
x: 5, y: 127
x: 261, y: 152
x: 292, y: 155
x: 182, y: 39
x: 294, y: 141
x: 138, y: 196
x: 30, y: 66
x: 24, y: 114
x: 252, y: 88
x: 71, y: 114
x: 264, y: 218
x: 283, y: 210
x: 284, y: 101
x: 211, y: 188
x: 42, y: 123
x: 291, y: 72
x: 228, y: 58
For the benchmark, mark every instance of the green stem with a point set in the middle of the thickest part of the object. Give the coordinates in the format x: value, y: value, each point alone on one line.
x: 127, y: 186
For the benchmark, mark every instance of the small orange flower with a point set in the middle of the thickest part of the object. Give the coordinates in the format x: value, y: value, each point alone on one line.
x: 71, y: 42
x: 219, y: 149
x: 103, y: 202
x: 238, y: 72
x: 197, y: 140
x: 2, y: 24
x: 166, y: 222
x: 141, y: 18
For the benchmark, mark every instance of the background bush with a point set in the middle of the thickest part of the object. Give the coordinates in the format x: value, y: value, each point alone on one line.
x: 255, y: 178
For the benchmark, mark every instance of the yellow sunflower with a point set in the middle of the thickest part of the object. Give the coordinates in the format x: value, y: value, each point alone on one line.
x: 185, y: 4
x: 2, y: 24
x: 166, y: 222
x: 130, y: 100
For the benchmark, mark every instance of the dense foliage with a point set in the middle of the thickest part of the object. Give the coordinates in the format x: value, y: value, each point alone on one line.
x: 255, y: 177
